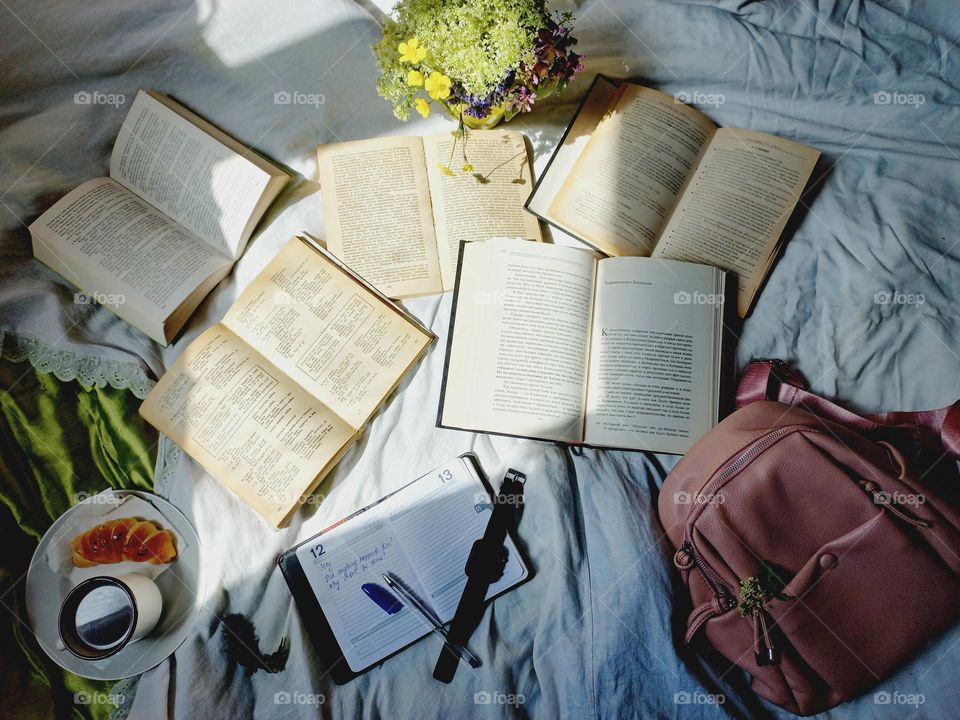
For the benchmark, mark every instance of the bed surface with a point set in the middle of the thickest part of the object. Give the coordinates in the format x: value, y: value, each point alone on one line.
x: 872, y: 85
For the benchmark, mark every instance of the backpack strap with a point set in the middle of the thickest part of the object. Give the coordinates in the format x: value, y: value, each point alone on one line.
x: 776, y: 380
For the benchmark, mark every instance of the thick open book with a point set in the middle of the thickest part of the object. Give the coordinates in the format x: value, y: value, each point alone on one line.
x: 422, y: 534
x: 154, y: 238
x: 552, y: 343
x: 271, y: 397
x: 640, y: 173
x: 397, y: 217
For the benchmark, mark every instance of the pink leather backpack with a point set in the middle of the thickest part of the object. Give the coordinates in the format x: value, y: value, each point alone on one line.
x: 821, y: 548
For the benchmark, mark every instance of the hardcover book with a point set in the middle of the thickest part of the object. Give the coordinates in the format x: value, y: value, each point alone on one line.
x: 639, y: 173
x: 557, y: 343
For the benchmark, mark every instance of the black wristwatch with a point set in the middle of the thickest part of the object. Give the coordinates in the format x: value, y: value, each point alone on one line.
x: 485, y: 565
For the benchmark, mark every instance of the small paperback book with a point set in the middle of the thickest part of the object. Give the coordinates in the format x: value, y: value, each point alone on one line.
x: 155, y: 237
x: 641, y: 173
x: 397, y: 208
x: 421, y: 534
x: 555, y: 343
x: 269, y: 399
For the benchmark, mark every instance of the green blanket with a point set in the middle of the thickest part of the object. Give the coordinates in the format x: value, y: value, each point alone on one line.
x: 59, y: 442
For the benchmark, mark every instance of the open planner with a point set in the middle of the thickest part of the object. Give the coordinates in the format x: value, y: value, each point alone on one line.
x: 422, y: 533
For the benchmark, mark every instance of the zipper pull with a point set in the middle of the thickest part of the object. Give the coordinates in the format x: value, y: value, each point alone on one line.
x: 763, y: 650
x: 683, y: 559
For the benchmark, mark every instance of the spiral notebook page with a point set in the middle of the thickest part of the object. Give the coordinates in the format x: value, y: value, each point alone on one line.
x: 422, y: 534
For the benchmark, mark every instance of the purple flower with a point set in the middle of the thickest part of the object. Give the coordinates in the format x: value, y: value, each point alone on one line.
x: 524, y: 99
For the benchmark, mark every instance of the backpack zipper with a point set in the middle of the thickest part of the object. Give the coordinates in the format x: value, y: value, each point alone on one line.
x: 744, y: 457
x: 725, y: 597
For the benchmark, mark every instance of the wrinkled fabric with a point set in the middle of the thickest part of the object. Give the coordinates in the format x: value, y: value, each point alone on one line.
x: 594, y: 633
x: 59, y: 443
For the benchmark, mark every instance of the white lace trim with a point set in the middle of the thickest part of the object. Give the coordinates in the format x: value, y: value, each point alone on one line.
x: 68, y: 365
x: 168, y: 458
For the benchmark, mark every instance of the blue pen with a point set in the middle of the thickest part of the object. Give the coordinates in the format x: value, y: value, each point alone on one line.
x: 415, y: 604
x: 382, y: 597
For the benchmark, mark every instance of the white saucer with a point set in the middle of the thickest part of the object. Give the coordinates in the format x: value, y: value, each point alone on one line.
x: 180, y: 586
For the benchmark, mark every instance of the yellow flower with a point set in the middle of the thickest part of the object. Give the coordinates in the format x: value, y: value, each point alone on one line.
x: 411, y: 52
x: 437, y: 86
x: 421, y: 107
x: 445, y: 170
x: 467, y: 167
x: 415, y: 78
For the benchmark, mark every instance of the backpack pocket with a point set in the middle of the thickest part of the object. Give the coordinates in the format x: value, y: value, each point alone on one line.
x: 865, y: 602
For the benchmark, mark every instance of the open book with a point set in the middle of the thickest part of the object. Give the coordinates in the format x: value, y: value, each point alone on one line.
x: 551, y: 343
x: 640, y: 173
x: 154, y: 238
x: 397, y: 217
x: 422, y: 534
x: 270, y: 398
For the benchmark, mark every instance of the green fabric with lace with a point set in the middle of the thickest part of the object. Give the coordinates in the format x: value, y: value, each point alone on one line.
x: 59, y: 442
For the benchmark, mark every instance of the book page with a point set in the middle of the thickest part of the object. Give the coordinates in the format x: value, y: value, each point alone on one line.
x: 627, y: 180
x: 520, y: 340
x: 466, y: 207
x: 602, y: 94
x: 109, y: 242
x: 422, y: 534
x: 190, y: 176
x: 246, y: 423
x: 655, y: 356
x: 735, y: 208
x: 330, y: 334
x: 376, y: 201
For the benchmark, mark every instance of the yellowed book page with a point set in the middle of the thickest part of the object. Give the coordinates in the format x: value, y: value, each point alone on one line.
x: 376, y: 201
x: 246, y: 423
x: 466, y: 207
x: 654, y: 361
x: 626, y: 182
x: 124, y: 253
x: 339, y: 341
x: 187, y: 174
x: 735, y: 208
x: 518, y: 358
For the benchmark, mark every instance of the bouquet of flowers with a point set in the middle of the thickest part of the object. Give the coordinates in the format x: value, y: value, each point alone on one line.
x: 481, y: 60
